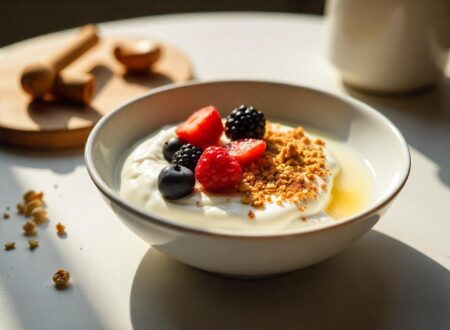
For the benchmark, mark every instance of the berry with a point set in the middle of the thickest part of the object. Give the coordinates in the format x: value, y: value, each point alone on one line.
x: 171, y: 147
x: 175, y: 181
x: 246, y: 151
x: 203, y: 128
x: 217, y: 171
x: 245, y: 122
x: 187, y: 156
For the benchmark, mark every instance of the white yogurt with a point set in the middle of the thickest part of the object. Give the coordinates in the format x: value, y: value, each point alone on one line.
x: 138, y: 185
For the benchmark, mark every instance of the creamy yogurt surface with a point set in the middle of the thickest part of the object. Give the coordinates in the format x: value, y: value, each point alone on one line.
x: 139, y: 186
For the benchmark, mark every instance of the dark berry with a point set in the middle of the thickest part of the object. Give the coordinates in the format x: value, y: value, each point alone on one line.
x: 245, y: 122
x: 171, y: 147
x: 175, y: 181
x: 187, y: 156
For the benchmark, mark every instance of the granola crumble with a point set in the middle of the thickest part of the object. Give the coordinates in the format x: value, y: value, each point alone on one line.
x: 33, y: 244
x: 20, y: 208
x: 10, y: 246
x: 60, y: 229
x: 31, y: 195
x: 39, y: 215
x: 29, y: 228
x: 31, y: 205
x: 287, y: 171
x: 61, y: 278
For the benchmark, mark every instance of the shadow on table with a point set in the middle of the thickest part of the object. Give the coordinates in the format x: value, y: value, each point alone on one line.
x: 60, y: 161
x: 378, y: 283
x: 422, y: 117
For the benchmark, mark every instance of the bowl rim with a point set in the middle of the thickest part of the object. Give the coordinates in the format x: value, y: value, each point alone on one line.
x: 172, y: 225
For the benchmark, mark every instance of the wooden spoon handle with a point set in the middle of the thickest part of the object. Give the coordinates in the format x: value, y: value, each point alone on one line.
x: 76, y: 88
x: 85, y: 40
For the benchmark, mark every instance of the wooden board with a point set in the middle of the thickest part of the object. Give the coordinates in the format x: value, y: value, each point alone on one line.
x: 62, y: 125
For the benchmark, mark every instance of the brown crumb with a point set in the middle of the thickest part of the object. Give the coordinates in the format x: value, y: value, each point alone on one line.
x: 320, y: 142
x: 6, y: 215
x: 33, y: 244
x: 286, y: 172
x: 39, y: 215
x: 20, y: 208
x: 29, y: 228
x: 61, y: 278
x: 10, y: 246
x: 31, y: 205
x: 31, y: 195
x: 303, y: 218
x: 251, y: 215
x: 60, y: 228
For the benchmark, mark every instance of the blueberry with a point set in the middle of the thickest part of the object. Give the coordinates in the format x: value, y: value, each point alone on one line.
x: 172, y: 146
x: 175, y: 181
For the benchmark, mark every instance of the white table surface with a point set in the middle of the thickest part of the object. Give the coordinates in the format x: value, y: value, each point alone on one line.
x: 396, y: 277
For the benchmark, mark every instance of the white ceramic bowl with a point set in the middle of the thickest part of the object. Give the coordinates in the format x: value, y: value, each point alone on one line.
x: 243, y: 255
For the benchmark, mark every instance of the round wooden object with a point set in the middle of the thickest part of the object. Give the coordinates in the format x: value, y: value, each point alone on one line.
x: 61, y: 125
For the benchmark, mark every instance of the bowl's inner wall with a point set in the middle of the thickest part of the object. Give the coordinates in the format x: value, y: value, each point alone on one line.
x: 349, y: 122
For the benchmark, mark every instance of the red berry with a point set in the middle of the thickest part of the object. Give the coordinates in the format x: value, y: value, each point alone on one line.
x: 203, y: 128
x: 217, y: 171
x: 246, y: 151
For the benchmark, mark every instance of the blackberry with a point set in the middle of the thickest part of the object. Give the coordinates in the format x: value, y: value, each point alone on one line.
x: 245, y: 122
x: 187, y: 156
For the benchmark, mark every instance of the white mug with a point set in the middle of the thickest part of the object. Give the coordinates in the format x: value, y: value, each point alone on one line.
x: 389, y: 45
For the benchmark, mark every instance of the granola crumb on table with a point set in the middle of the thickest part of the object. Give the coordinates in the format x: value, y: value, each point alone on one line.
x: 31, y: 195
x: 287, y: 170
x: 10, y: 246
x: 33, y: 244
x: 34, y: 206
x: 60, y: 228
x: 20, y: 208
x: 39, y: 215
x: 61, y: 278
x: 29, y: 228
x: 31, y: 205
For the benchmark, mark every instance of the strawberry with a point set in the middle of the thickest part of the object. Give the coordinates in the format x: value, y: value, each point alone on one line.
x: 217, y: 171
x: 246, y: 151
x: 203, y: 128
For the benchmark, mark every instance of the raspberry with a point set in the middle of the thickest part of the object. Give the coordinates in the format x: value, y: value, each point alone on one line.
x: 246, y: 151
x: 203, y: 128
x: 217, y: 171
